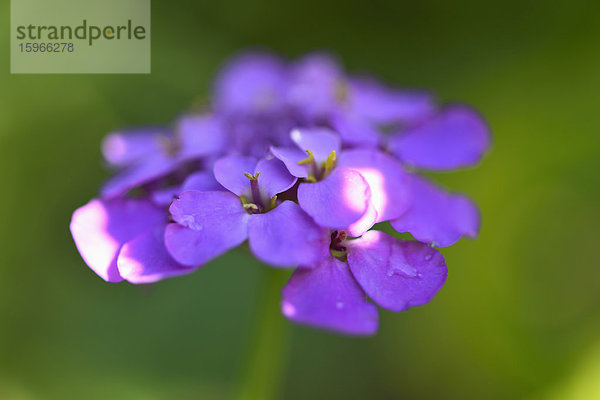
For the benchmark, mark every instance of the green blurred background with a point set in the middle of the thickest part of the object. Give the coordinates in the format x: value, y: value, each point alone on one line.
x: 519, y: 317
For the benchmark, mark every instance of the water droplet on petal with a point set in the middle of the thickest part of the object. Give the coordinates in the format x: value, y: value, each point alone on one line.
x: 339, y: 305
x: 190, y: 222
x: 403, y: 269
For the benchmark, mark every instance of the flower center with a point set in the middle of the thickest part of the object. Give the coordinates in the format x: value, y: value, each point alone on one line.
x: 257, y: 204
x: 336, y: 247
x: 318, y: 172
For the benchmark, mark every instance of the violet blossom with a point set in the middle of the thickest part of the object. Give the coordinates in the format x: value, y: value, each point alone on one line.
x: 395, y: 274
x: 207, y: 224
x: 350, y: 189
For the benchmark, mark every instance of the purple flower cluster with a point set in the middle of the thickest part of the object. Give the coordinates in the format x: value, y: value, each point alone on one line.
x: 301, y: 160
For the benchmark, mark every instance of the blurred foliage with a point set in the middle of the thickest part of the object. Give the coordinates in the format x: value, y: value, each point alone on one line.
x: 520, y: 314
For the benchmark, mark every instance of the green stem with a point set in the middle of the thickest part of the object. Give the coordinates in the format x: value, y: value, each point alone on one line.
x: 267, y: 356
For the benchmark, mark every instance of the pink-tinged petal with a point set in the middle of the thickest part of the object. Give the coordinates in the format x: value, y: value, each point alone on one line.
x: 364, y: 223
x: 379, y: 104
x: 291, y: 157
x: 456, y: 137
x: 229, y: 172
x: 320, y: 141
x: 251, y: 82
x: 389, y: 183
x: 274, y: 177
x: 199, y: 136
x: 354, y: 130
x: 101, y: 227
x: 436, y: 216
x: 145, y: 259
x: 327, y: 296
x: 127, y: 147
x: 286, y: 236
x: 337, y: 201
x: 208, y: 225
x: 148, y: 170
x: 396, y: 274
x: 315, y: 80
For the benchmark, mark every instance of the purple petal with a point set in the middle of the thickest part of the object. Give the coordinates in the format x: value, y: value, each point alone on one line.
x: 145, y: 259
x: 199, y: 136
x: 251, y: 82
x: 315, y: 80
x: 436, y: 216
x: 253, y: 134
x: 457, y: 137
x: 274, y: 177
x: 101, y: 227
x: 390, y: 185
x: 286, y: 236
x: 320, y: 141
x: 123, y: 148
x: 337, y: 201
x: 202, y: 181
x: 229, y: 172
x: 354, y: 130
x: 165, y: 196
x: 291, y: 157
x: 379, y: 104
x: 328, y: 297
x: 396, y: 274
x: 208, y: 225
x: 364, y: 223
x: 148, y: 170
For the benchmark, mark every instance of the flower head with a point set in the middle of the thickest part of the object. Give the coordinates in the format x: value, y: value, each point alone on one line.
x: 300, y: 160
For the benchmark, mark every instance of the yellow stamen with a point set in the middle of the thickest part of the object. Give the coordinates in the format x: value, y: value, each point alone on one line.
x: 247, y: 204
x: 252, y: 177
x: 273, y: 202
x: 309, y: 160
x: 250, y: 206
x: 330, y: 163
x: 337, y: 253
